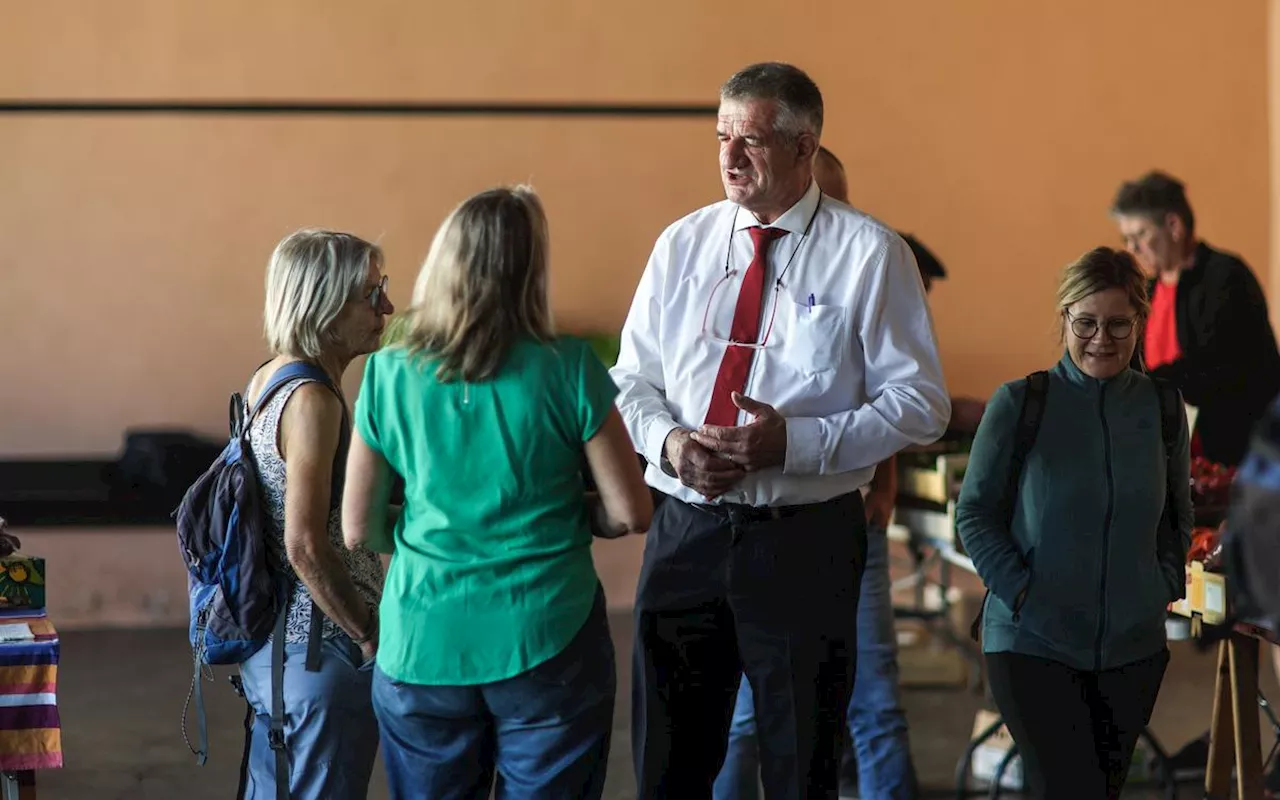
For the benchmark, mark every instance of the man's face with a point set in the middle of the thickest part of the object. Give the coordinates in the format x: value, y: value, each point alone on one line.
x: 1151, y: 242
x: 761, y: 170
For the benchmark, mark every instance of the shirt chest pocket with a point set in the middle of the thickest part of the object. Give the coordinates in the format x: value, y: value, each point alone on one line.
x: 815, y: 336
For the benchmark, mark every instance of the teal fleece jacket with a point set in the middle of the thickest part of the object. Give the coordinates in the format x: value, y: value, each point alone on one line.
x: 1090, y: 540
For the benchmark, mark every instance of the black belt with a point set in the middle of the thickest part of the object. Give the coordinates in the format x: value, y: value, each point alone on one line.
x: 743, y: 514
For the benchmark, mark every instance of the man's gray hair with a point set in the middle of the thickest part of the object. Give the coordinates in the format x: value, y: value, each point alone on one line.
x: 311, y: 276
x: 798, y: 98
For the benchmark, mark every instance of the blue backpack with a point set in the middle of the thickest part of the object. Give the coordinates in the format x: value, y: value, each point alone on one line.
x: 239, y: 591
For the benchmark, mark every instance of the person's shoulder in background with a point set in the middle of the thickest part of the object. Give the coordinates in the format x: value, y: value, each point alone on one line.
x: 930, y: 265
x: 966, y: 413
x: 1223, y: 272
x: 1218, y: 258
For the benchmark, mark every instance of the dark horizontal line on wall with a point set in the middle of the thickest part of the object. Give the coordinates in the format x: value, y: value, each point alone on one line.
x: 334, y: 108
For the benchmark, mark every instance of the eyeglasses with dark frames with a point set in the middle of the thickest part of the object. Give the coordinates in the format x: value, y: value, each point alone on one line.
x: 1118, y: 328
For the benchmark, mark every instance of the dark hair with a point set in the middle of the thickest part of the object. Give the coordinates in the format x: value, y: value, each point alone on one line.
x: 798, y: 97
x: 1154, y: 196
x: 928, y: 263
x: 823, y: 151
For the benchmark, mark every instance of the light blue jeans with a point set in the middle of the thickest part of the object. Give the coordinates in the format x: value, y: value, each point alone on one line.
x: 330, y: 732
x: 876, y: 718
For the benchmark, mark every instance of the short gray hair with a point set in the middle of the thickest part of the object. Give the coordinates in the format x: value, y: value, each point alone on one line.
x: 798, y: 97
x: 311, y: 276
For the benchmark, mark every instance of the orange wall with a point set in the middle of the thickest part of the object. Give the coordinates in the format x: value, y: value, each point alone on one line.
x: 132, y: 248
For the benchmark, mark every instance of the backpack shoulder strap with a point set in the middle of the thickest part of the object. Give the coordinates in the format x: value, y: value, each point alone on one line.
x: 236, y: 414
x: 1170, y: 400
x: 275, y: 734
x: 242, y: 415
x: 1029, y: 418
x: 239, y: 412
x: 1034, y: 400
x: 290, y: 372
x: 1170, y: 415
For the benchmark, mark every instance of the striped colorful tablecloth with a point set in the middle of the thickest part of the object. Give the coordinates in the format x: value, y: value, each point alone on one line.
x: 30, y: 730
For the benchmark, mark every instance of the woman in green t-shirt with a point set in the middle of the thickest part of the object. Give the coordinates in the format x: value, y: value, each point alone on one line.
x: 494, y: 651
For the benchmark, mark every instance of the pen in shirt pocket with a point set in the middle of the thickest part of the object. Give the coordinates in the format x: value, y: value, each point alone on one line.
x: 810, y: 302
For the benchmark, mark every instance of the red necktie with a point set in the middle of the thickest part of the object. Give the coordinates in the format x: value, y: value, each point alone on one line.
x: 736, y: 363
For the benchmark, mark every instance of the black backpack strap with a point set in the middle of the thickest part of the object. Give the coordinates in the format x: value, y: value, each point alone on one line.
x: 236, y: 414
x: 1170, y: 427
x: 1170, y: 400
x: 1033, y: 403
x: 276, y: 734
x: 250, y: 713
x: 1030, y: 415
x: 315, y: 638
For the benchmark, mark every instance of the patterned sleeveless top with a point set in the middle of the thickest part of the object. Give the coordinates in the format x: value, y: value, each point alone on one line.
x: 363, y: 565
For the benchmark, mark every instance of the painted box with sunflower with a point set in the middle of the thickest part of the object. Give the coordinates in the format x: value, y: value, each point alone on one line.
x: 21, y: 582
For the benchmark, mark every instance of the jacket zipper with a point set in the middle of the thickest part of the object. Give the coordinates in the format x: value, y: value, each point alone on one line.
x: 1106, y: 530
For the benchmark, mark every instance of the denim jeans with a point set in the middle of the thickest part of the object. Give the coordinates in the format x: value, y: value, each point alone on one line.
x: 545, y: 732
x: 876, y: 718
x: 330, y: 732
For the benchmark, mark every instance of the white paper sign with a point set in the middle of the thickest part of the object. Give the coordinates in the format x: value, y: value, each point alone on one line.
x: 15, y: 632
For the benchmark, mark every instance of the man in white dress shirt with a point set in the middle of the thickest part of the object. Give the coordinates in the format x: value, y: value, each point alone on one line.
x: 777, y: 349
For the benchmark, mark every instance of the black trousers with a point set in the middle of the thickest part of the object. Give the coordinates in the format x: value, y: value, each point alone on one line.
x: 727, y: 591
x: 1075, y: 730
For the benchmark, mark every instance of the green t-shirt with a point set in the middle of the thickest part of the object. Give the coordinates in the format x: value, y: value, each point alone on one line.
x: 492, y: 573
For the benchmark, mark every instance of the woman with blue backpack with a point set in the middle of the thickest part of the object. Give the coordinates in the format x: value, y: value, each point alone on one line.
x: 326, y: 304
x: 495, y: 664
x: 1076, y: 511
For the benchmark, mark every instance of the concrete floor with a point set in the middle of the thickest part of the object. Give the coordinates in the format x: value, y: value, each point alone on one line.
x: 121, y: 695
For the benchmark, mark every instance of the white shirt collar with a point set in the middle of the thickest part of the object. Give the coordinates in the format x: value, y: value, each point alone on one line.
x: 796, y: 218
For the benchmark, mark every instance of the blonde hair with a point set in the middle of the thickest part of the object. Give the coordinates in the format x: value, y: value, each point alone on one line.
x: 1100, y: 269
x: 483, y: 285
x: 311, y: 276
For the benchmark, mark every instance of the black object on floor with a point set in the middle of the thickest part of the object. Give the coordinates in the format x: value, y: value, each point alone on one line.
x: 142, y: 486
x: 1191, y: 760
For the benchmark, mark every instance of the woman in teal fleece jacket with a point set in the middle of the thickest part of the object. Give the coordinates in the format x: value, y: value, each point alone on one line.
x: 1082, y: 566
